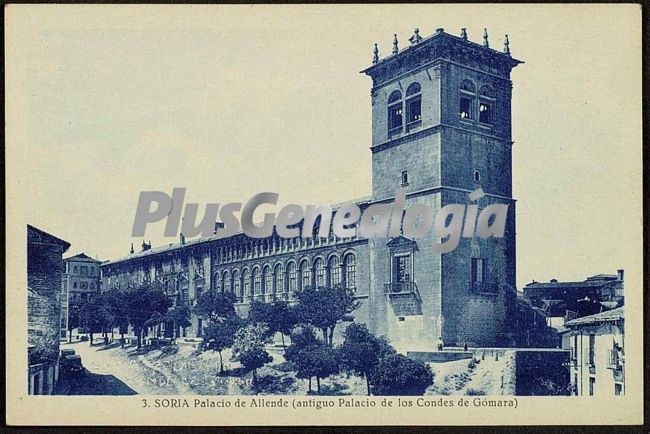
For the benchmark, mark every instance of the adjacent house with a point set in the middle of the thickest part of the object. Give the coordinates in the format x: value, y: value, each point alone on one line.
x: 597, y: 346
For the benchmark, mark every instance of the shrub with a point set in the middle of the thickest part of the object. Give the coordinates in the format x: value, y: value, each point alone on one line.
x: 399, y: 375
x: 474, y: 392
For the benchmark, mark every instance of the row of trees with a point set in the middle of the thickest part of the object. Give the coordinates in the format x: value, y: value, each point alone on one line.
x: 317, y: 309
x: 141, y: 308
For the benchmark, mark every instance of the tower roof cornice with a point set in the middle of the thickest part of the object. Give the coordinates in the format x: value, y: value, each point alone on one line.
x: 442, y: 46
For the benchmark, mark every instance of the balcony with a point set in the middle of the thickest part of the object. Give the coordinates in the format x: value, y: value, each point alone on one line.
x: 404, y: 298
x: 401, y: 288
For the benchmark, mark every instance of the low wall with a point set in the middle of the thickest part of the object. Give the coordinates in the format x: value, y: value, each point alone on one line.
x: 438, y: 356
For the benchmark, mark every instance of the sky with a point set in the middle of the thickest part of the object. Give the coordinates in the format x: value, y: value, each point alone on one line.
x: 227, y: 101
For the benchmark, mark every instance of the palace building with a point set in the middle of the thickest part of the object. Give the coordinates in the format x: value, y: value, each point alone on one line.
x: 441, y: 128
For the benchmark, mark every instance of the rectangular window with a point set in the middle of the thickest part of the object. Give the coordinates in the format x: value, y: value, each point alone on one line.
x: 76, y: 269
x: 402, y: 269
x: 618, y: 389
x: 478, y: 270
x: 592, y: 386
x: 485, y: 113
x: 405, y: 178
x: 74, y: 285
x: 84, y: 285
x: 465, y: 108
x: 395, y: 119
x: 413, y: 111
x: 592, y: 345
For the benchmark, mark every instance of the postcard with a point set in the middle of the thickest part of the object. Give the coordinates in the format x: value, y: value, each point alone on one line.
x: 324, y: 214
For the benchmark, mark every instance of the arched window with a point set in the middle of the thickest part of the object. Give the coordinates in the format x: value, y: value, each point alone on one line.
x: 225, y: 281
x: 350, y: 266
x: 395, y: 113
x: 319, y: 269
x: 246, y: 282
x: 335, y: 271
x: 236, y: 286
x: 268, y: 281
x: 305, y: 275
x: 257, y: 282
x: 279, y: 280
x: 293, y: 276
x: 485, y: 105
x: 467, y: 98
x: 216, y: 283
x: 413, y: 105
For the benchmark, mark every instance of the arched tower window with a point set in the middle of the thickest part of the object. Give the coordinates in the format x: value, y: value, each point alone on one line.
x: 467, y: 99
x: 319, y: 269
x: 486, y: 105
x: 395, y: 113
x: 413, y: 105
x: 335, y: 271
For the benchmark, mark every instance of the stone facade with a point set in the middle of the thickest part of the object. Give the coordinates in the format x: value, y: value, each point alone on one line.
x: 441, y: 128
x: 44, y: 269
x: 81, y: 278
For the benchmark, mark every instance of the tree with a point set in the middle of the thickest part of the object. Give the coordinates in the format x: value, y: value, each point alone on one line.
x: 144, y: 304
x: 248, y: 347
x: 399, y: 375
x: 213, y: 307
x: 220, y: 335
x: 119, y: 306
x: 362, y: 351
x: 324, y: 308
x: 180, y: 316
x: 73, y: 318
x: 92, y: 316
x: 278, y: 316
x: 311, y: 356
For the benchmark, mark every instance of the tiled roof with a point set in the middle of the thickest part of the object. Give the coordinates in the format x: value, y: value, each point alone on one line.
x: 609, y: 315
x: 362, y: 202
x: 82, y: 257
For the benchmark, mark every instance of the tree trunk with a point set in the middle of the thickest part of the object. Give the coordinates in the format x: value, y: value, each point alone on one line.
x: 139, y: 332
x: 112, y: 333
x: 283, y: 345
x: 70, y: 336
x: 221, y: 362
x: 254, y: 376
x: 90, y: 338
x: 318, y: 384
x: 331, y: 336
x: 309, y: 384
x: 324, y: 329
x: 367, y: 384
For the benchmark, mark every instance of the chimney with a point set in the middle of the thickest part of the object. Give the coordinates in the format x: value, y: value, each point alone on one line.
x: 218, y: 225
x: 146, y: 246
x: 620, y: 274
x: 182, y: 238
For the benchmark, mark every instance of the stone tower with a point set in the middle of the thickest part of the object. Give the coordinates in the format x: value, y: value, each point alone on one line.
x: 441, y: 129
